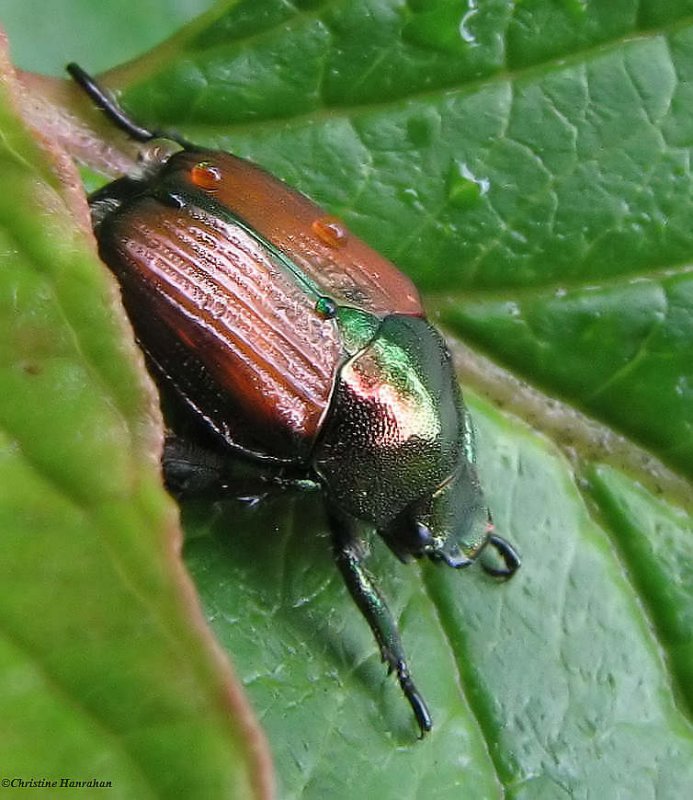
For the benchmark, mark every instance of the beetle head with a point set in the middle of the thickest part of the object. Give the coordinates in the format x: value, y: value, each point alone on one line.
x: 451, y: 525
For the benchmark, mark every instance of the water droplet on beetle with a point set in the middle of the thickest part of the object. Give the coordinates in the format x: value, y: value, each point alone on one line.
x: 464, y: 188
x: 206, y: 176
x: 330, y: 231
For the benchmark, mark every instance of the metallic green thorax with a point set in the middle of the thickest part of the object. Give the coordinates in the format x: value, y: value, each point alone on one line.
x: 397, y: 449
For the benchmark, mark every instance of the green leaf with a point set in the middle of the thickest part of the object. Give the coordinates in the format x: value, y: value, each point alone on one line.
x: 528, y: 163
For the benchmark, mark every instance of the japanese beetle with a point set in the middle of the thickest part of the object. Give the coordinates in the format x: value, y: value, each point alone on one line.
x: 296, y: 346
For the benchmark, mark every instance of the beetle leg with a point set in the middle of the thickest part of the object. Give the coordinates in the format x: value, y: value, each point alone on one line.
x: 189, y: 468
x: 349, y: 557
x: 192, y: 470
x: 510, y: 556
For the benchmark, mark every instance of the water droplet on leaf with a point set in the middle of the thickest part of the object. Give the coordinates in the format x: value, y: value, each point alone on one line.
x: 465, y: 188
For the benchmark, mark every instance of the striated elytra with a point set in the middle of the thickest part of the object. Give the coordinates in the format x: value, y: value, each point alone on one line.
x: 291, y: 344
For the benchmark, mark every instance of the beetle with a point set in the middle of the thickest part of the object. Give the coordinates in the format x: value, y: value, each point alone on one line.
x: 296, y: 347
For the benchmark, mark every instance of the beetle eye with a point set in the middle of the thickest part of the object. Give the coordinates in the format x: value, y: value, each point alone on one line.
x: 331, y: 231
x: 205, y: 175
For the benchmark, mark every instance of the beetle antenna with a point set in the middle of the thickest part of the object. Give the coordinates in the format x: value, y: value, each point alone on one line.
x: 108, y: 104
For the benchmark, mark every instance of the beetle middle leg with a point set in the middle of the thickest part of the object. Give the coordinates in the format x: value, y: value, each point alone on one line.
x: 349, y: 558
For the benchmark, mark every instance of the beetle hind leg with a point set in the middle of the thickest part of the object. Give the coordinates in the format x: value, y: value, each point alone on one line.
x: 192, y: 470
x: 372, y: 605
x: 509, y: 555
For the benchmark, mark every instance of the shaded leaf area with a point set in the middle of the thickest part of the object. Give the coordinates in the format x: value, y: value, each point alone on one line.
x: 106, y: 672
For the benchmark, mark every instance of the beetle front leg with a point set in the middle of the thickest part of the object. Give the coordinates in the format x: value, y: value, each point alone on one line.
x: 349, y: 557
